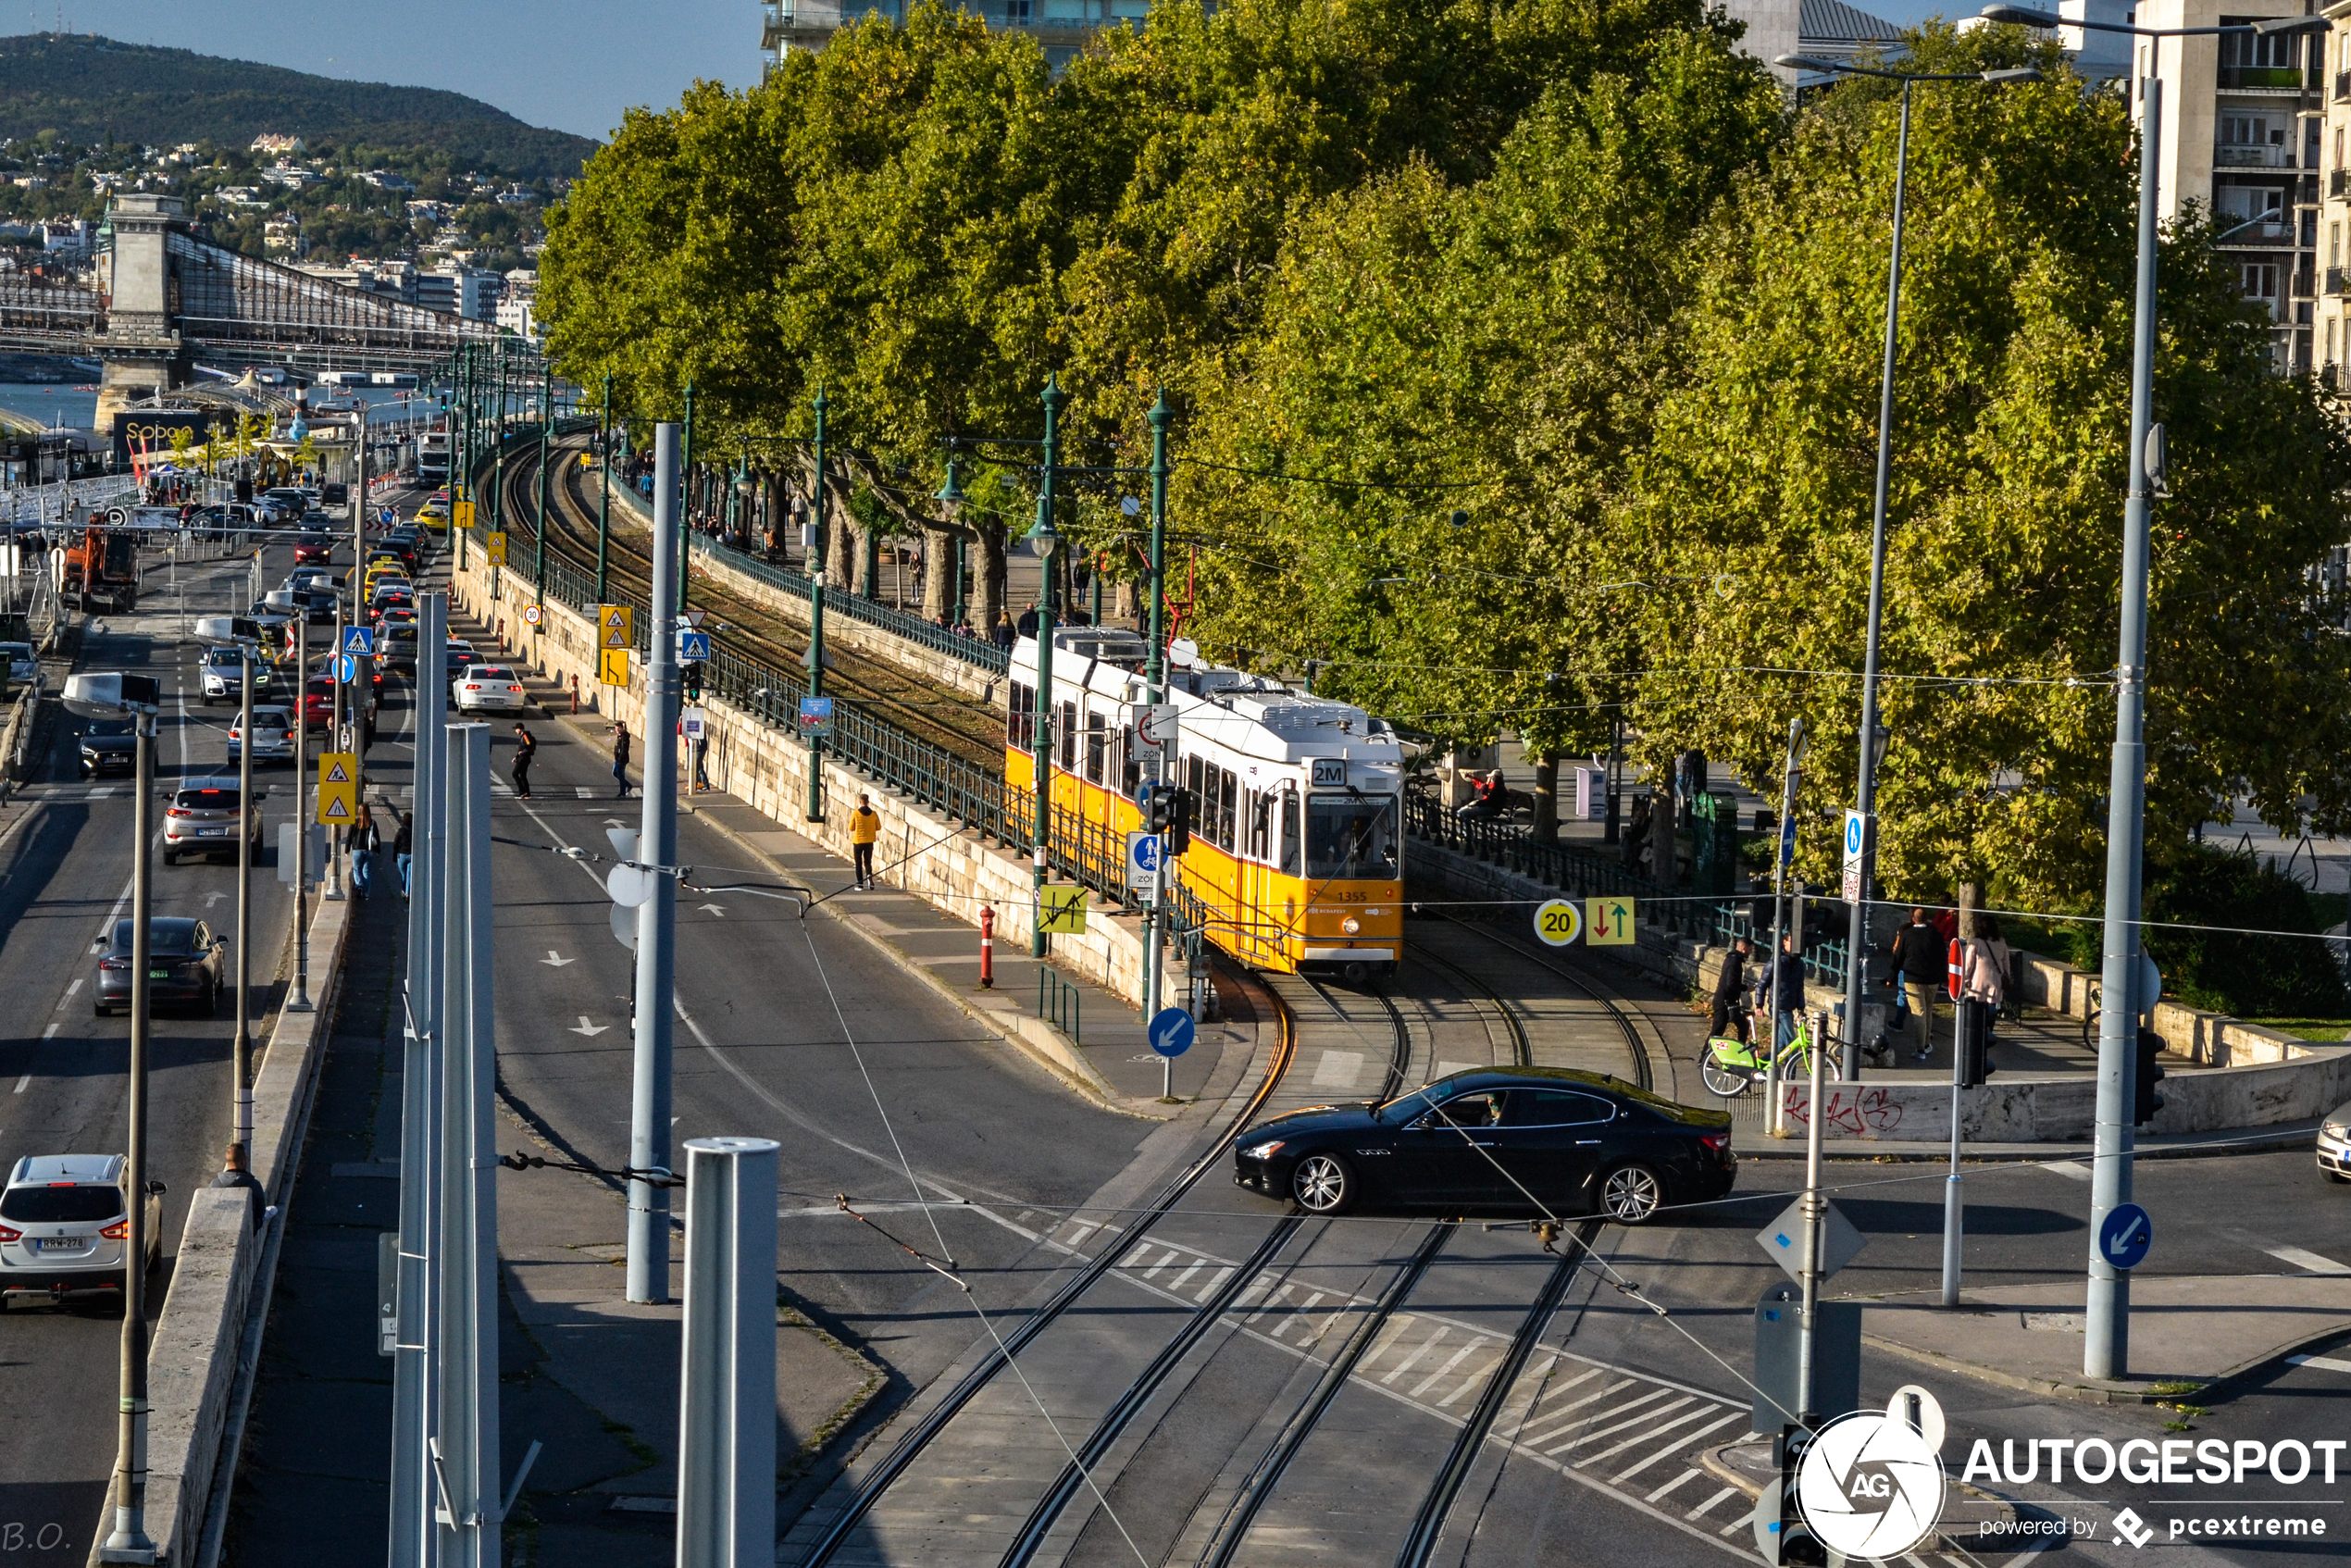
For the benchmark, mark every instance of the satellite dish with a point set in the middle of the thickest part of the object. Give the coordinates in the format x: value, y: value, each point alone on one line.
x: 624, y: 927
x: 1183, y: 653
x: 629, y: 886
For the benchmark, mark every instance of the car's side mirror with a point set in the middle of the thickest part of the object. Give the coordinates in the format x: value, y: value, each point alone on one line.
x: 155, y: 1190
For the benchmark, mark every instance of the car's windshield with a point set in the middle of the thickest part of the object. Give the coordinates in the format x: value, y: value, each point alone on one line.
x: 109, y: 726
x: 1416, y: 1102
x: 78, y: 1203
x: 160, y: 937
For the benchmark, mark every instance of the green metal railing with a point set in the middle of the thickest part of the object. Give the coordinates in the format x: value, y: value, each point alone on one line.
x: 1824, y: 961
x: 1058, y: 1002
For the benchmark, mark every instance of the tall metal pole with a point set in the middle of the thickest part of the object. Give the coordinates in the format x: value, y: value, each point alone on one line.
x: 685, y: 478
x: 1857, y: 965
x: 498, y: 448
x: 1781, y: 855
x: 727, y: 1392
x: 816, y: 619
x: 1041, y: 775
x: 603, y: 501
x: 1155, y: 953
x: 657, y: 917
x: 413, y: 1393
x: 1814, y: 1204
x: 241, y: 1050
x: 300, y: 1003
x: 466, y: 1426
x: 2106, y: 1348
x: 546, y: 430
x: 334, y: 739
x: 129, y: 1541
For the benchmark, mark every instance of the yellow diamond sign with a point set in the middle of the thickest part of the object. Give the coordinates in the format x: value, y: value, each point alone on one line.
x: 338, y: 787
x: 495, y: 546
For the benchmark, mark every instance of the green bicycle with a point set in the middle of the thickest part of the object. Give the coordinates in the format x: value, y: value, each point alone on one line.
x: 1732, y: 1066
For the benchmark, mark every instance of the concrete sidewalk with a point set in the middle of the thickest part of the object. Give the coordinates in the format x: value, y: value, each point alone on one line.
x: 2190, y: 1333
x: 1753, y: 1143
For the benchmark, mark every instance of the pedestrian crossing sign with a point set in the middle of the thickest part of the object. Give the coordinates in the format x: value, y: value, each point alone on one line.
x: 1062, y: 910
x: 612, y: 667
x: 338, y: 787
x: 495, y: 546
x: 616, y: 626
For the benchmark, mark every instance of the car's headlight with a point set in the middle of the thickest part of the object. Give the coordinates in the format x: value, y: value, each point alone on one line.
x: 1263, y: 1150
x: 2336, y: 1129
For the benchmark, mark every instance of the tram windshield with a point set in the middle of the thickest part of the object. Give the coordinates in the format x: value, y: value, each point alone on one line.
x: 1350, y: 838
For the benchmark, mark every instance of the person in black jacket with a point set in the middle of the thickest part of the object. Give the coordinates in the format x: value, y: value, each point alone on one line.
x: 1921, y: 960
x: 526, y: 745
x: 1789, y: 974
x: 1730, y: 987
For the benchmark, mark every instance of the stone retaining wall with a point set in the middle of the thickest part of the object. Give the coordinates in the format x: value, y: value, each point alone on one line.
x: 953, y: 867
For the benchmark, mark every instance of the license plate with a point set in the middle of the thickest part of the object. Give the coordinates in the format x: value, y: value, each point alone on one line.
x: 158, y: 974
x: 62, y: 1244
x: 214, y: 832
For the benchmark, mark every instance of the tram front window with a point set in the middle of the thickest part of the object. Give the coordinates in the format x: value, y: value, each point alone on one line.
x: 1351, y: 839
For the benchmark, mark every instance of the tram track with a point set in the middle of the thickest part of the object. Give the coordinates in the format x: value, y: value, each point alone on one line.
x: 968, y: 729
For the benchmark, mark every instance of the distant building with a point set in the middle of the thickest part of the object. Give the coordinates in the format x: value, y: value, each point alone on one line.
x: 428, y: 212
x: 522, y: 282
x: 517, y: 316
x: 384, y: 179
x: 68, y: 239
x: 241, y: 196
x: 1830, y: 30
x: 270, y: 146
x: 1062, y: 27
x: 294, y: 176
x: 460, y: 291
x: 281, y: 236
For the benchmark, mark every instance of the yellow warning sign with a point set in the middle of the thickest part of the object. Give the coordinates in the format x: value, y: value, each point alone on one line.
x: 495, y: 546
x: 461, y: 514
x: 616, y: 625
x: 338, y: 787
x: 612, y: 665
x: 1608, y: 922
x: 1062, y: 910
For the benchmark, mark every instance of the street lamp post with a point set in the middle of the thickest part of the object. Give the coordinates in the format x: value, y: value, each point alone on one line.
x: 2106, y: 1324
x: 546, y: 450
x: 685, y: 489
x: 1856, y: 966
x: 1042, y: 539
x: 816, y: 616
x: 603, y: 501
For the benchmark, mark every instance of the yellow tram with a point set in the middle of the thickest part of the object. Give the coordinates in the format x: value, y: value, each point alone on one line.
x: 1296, y: 847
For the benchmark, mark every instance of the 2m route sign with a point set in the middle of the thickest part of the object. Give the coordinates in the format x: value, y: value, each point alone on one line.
x: 1608, y: 922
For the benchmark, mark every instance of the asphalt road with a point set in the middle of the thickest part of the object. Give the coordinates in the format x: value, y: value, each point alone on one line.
x: 64, y: 1083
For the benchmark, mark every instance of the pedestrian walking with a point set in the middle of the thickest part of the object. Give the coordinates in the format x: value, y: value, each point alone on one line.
x: 1984, y: 976
x: 1636, y: 832
x: 1788, y: 975
x: 403, y: 851
x: 1003, y: 635
x: 620, y: 757
x: 1920, y: 958
x: 526, y: 746
x: 865, y: 827
x: 1026, y: 625
x: 1730, y: 986
x: 363, y: 850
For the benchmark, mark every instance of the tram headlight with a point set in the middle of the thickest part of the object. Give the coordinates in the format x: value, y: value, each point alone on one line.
x: 1351, y: 926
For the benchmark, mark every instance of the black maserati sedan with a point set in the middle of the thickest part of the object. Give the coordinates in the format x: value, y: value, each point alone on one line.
x: 1493, y: 1139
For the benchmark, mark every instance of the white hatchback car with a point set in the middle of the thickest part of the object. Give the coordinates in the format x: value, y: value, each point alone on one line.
x: 64, y: 1223
x: 488, y: 686
x: 272, y: 734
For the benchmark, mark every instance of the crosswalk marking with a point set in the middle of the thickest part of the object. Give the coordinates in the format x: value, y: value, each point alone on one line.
x: 1214, y: 1280
x: 1675, y: 1485
x: 1552, y: 1414
x: 1458, y: 1356
x: 2303, y: 1260
x: 1178, y: 1283
x: 2324, y: 1364
x: 584, y: 792
x: 102, y: 792
x: 2073, y: 1168
x: 1338, y: 1069
x: 1641, y: 1420
x: 1410, y: 1362
x: 1708, y: 1506
x: 1637, y: 1439
x: 1474, y: 1380
x: 1676, y: 1446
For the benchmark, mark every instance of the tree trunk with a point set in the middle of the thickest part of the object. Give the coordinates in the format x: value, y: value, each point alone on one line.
x: 939, y: 573
x: 987, y: 602
x: 1547, y: 798
x: 1971, y: 895
x: 840, y: 543
x: 1661, y: 815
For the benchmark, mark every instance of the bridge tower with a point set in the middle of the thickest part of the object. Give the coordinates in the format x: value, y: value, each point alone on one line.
x: 141, y: 347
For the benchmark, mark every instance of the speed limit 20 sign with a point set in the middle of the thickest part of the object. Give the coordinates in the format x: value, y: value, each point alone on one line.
x: 1559, y: 923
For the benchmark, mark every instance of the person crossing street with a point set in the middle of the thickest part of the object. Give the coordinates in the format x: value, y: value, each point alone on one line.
x: 525, y: 744
x: 865, y: 827
x: 620, y: 757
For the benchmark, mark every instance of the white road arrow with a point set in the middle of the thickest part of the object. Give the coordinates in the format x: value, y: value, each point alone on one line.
x: 588, y: 1029
x: 555, y: 960
x: 714, y: 909
x: 214, y: 897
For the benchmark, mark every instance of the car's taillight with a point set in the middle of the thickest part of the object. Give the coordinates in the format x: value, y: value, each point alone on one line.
x: 175, y: 811
x: 1716, y: 1141
x: 473, y: 685
x: 117, y: 1230
x: 9, y: 1235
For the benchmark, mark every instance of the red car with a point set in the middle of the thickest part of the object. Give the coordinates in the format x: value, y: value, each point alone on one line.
x: 318, y: 702
x: 313, y: 550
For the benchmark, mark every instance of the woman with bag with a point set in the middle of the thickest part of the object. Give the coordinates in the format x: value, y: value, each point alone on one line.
x: 363, y: 850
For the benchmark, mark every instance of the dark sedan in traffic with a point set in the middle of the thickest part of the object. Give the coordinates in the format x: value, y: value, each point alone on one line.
x: 187, y: 967
x: 1489, y: 1140
x: 109, y: 745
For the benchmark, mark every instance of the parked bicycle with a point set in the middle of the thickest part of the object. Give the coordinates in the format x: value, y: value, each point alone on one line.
x: 1732, y: 1066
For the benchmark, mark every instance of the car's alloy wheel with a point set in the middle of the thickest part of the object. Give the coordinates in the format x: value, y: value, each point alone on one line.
x: 1323, y: 1184
x: 1630, y: 1194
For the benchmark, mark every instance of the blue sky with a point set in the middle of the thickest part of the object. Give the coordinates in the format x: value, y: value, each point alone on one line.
x: 574, y: 65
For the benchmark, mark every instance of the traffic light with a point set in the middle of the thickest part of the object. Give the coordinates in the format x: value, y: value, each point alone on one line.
x: 1179, y: 820
x: 1971, y: 1031
x: 2144, y: 1101
x: 1159, y: 806
x: 691, y: 675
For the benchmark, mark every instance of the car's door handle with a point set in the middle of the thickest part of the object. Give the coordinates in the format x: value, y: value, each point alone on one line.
x: 1583, y: 1142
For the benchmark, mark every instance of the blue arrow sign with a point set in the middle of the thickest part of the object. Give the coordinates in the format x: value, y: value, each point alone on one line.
x: 1170, y: 1031
x: 2125, y: 1235
x: 347, y: 668
x: 693, y: 647
x: 1787, y: 844
x: 359, y: 639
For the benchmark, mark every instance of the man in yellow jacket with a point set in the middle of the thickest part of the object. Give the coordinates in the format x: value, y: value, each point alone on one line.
x: 865, y: 827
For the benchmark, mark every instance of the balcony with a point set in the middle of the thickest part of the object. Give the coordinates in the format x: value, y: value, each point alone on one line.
x: 2260, y: 79
x: 2254, y: 236
x: 774, y: 23
x: 2343, y: 87
x: 2338, y: 281
x: 2306, y: 284
x: 2253, y: 157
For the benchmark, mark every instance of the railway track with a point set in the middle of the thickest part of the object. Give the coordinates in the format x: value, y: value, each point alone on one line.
x: 965, y: 727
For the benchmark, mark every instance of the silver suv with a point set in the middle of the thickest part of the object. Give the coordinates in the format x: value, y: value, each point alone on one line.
x: 64, y: 1225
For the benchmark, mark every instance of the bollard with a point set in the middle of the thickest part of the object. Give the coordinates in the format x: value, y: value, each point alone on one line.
x: 727, y: 1399
x: 575, y: 692
x: 986, y: 948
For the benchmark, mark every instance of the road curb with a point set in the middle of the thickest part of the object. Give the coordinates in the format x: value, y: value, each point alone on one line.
x: 2290, y: 1136
x: 2220, y: 1384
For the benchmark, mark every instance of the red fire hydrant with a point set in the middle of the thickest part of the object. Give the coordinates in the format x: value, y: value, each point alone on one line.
x: 986, y: 948
x: 575, y: 694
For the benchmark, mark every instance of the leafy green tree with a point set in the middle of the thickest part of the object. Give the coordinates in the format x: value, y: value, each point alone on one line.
x: 2012, y: 396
